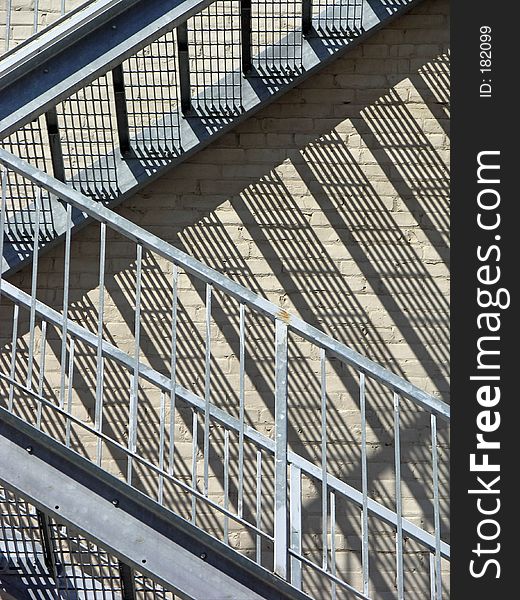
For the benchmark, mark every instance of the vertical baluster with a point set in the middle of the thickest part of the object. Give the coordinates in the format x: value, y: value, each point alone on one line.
x: 324, y: 490
x: 3, y: 208
x: 8, y: 11
x: 14, y: 345
x: 194, y: 450
x: 207, y: 388
x: 296, y: 525
x: 175, y: 284
x: 364, y: 484
x: 162, y: 430
x: 132, y: 424
x: 280, y: 456
x: 241, y: 395
x: 398, y: 499
x: 34, y: 287
x: 41, y: 377
x: 259, y: 505
x: 63, y: 7
x: 98, y: 417
x: 333, y: 543
x: 436, y: 509
x: 36, y: 10
x: 433, y: 586
x: 226, y: 485
x: 64, y: 328
x: 69, y: 392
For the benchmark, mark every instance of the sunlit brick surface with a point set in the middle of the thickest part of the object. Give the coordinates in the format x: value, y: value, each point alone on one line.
x: 333, y: 203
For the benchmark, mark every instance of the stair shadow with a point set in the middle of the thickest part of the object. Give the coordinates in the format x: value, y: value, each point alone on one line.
x: 277, y: 231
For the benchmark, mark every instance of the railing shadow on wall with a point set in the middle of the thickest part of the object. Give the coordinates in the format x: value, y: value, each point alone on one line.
x: 308, y: 279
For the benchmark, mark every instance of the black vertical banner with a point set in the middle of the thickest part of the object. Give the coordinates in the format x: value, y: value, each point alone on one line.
x: 485, y: 433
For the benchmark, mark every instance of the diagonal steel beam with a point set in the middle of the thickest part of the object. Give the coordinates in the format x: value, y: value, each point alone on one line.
x: 50, y: 70
x: 138, y: 531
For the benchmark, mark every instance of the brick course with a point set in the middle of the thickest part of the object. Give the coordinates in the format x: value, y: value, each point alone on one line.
x: 333, y: 203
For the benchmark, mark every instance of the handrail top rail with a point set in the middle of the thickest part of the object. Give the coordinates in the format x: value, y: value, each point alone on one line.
x: 59, y: 34
x: 69, y: 14
x: 210, y: 276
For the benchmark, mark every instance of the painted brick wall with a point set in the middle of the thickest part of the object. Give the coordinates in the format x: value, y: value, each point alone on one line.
x: 332, y: 203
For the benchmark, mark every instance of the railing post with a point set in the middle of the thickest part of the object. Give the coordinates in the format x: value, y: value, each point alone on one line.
x: 123, y: 133
x: 296, y: 525
x: 306, y: 17
x: 184, y: 67
x: 280, y: 453
x: 245, y: 26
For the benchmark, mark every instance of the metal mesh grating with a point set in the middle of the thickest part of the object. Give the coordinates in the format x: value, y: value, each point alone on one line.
x: 87, y: 125
x: 31, y: 144
x: 338, y: 19
x: 215, y: 58
x: 277, y: 36
x: 84, y: 567
x: 20, y: 546
x: 152, y: 97
x: 147, y: 589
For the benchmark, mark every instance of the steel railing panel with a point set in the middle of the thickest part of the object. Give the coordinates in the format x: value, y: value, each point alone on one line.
x: 186, y: 461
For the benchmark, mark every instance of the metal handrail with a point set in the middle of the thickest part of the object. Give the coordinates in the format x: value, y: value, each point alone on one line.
x: 66, y: 26
x: 148, y: 240
x: 287, y: 554
x: 90, y: 70
x: 70, y: 207
x: 51, y: 316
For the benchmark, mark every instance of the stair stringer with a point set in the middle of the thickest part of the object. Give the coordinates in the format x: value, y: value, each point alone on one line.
x: 133, y: 172
x: 120, y: 519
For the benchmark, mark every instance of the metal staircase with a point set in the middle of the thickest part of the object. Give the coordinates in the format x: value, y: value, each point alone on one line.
x: 92, y: 109
x: 119, y: 91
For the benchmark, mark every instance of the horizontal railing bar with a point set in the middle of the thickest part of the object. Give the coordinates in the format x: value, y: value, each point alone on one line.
x: 135, y: 456
x: 265, y: 443
x: 330, y: 576
x: 64, y: 31
x: 237, y: 291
